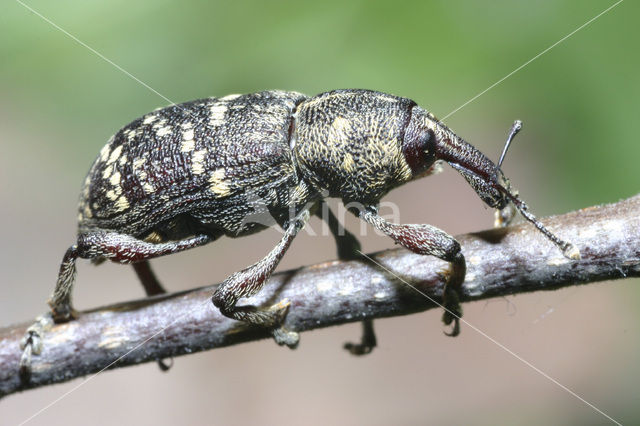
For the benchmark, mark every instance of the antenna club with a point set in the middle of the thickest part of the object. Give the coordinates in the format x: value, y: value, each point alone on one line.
x: 515, y: 128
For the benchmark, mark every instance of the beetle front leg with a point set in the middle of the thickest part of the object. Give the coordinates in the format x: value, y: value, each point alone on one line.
x: 429, y: 240
x: 349, y: 249
x: 503, y: 217
x: 249, y: 281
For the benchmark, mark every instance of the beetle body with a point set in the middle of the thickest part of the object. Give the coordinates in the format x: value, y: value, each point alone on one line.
x: 191, y: 167
x: 184, y: 175
x: 187, y: 169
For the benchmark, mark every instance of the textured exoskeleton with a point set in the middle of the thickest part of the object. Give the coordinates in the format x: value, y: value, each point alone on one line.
x: 184, y: 175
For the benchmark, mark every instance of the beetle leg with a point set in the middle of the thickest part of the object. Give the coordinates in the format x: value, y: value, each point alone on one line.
x: 349, y: 249
x: 504, y: 217
x: 152, y: 287
x: 250, y: 280
x: 60, y: 301
x: 148, y: 279
x: 368, y: 340
x: 347, y: 244
x: 116, y: 247
x: 113, y: 246
x: 427, y: 239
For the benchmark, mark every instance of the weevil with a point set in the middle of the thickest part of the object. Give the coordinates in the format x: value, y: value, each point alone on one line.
x: 183, y: 176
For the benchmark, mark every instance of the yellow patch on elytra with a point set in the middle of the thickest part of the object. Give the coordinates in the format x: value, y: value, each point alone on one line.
x: 123, y: 159
x: 230, y: 97
x: 148, y: 188
x: 159, y: 124
x: 163, y: 131
x: 104, y: 152
x: 188, y: 135
x: 130, y: 134
x: 217, y: 184
x: 111, y: 194
x: 150, y: 119
x: 218, y: 112
x: 115, y: 178
x: 187, y: 125
x: 387, y: 98
x: 197, y: 161
x: 188, y: 144
x: 87, y: 212
x: 138, y: 162
x: 121, y: 204
x: 107, y: 172
x: 115, y: 154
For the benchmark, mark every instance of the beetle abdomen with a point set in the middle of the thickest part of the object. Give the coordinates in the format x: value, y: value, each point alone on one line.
x: 191, y: 157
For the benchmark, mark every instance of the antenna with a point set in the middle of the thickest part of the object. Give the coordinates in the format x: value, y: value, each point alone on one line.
x: 568, y: 250
x: 517, y: 126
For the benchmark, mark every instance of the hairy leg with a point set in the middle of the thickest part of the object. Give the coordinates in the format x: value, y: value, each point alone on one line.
x: 116, y: 247
x: 250, y: 280
x: 429, y: 240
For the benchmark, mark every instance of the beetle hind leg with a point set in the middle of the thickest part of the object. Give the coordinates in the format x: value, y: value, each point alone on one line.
x: 61, y: 311
x: 148, y: 279
x: 60, y: 303
x: 250, y: 280
x: 120, y: 248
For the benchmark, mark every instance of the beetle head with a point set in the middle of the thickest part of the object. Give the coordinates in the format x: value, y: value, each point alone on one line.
x: 427, y: 140
x: 482, y: 174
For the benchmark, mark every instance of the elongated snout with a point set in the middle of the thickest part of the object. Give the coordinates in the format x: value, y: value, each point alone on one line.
x: 486, y: 179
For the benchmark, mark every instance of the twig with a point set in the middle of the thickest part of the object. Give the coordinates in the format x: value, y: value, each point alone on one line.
x: 500, y: 262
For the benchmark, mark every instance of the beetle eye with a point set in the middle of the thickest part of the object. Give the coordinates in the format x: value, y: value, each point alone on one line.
x: 419, y: 149
x: 428, y: 142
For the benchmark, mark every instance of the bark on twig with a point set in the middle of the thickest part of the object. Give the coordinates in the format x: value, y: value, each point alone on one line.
x: 500, y: 262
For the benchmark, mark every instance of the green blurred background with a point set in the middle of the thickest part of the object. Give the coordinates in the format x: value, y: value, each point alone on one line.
x: 59, y: 103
